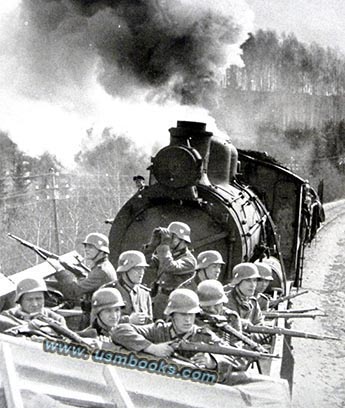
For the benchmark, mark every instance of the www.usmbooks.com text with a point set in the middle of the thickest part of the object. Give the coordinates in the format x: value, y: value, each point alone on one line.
x: 161, y: 367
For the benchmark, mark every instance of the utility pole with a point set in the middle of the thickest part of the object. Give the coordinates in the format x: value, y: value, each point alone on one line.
x: 54, y: 198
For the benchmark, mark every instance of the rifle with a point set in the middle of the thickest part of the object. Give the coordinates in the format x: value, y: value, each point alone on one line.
x: 291, y: 315
x: 184, y: 345
x: 59, y: 329
x: 288, y: 332
x: 221, y: 323
x: 312, y: 309
x: 79, y: 269
x: 275, y: 302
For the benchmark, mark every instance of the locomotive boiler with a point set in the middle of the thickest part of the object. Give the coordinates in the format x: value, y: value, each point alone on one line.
x: 240, y: 203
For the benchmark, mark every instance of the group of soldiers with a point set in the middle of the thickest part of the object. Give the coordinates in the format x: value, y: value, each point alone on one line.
x: 187, y: 302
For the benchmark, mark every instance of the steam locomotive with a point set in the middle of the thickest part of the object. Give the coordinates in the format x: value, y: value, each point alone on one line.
x: 241, y: 203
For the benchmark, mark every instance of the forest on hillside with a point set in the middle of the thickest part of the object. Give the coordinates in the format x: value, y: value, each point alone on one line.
x: 288, y: 100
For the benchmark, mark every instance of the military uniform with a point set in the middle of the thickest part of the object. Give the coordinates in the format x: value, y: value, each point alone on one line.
x: 263, y: 301
x: 191, y: 283
x: 173, y: 268
x: 101, y: 273
x: 137, y: 299
x: 247, y: 308
x: 138, y: 338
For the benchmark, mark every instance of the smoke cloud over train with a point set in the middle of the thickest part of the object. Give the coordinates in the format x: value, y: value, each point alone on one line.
x: 77, y: 64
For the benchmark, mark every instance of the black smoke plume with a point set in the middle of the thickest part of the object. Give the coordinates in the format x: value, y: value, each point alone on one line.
x: 148, y: 44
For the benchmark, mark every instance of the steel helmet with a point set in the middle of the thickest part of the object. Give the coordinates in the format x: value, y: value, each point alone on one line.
x: 182, y: 301
x: 265, y: 270
x: 30, y: 285
x: 211, y: 293
x: 104, y: 298
x: 130, y: 259
x: 181, y: 229
x: 100, y: 241
x: 245, y: 270
x: 208, y: 258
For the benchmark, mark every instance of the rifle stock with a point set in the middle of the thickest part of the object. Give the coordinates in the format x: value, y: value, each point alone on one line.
x: 60, y: 329
x: 184, y: 345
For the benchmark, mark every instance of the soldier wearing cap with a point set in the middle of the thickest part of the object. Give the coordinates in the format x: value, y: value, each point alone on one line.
x: 139, y: 182
x: 96, y: 248
x: 30, y: 299
x: 209, y: 264
x: 262, y: 283
x: 138, y: 304
x: 212, y: 300
x: 241, y: 297
x: 171, y: 260
x: 157, y: 338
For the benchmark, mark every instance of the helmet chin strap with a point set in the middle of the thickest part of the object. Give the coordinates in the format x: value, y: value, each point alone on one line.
x: 103, y: 325
x: 96, y: 256
x: 126, y: 277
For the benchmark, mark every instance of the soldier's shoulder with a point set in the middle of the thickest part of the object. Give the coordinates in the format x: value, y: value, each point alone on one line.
x: 145, y: 288
x: 159, y: 324
x: 204, y: 330
x: 230, y: 312
x: 265, y: 296
x: 114, y: 284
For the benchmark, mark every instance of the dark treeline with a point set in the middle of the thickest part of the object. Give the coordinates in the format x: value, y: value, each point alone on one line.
x: 289, y: 100
x: 274, y: 63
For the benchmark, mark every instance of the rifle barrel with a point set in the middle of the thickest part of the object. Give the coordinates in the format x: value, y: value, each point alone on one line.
x: 275, y: 302
x: 288, y: 332
x: 284, y: 315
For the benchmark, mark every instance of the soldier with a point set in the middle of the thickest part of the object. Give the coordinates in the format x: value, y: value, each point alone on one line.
x: 137, y: 298
x: 106, y: 307
x: 241, y: 297
x: 157, y: 338
x: 212, y: 299
x: 209, y: 265
x: 262, y: 283
x: 139, y: 182
x: 172, y: 261
x: 102, y: 271
x: 30, y: 299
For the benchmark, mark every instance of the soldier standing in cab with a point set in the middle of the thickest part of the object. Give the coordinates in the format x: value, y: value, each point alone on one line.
x: 241, y: 298
x: 106, y: 307
x: 262, y: 283
x: 209, y: 264
x: 137, y: 298
x: 172, y: 261
x: 96, y: 248
x: 157, y: 338
x: 212, y: 300
x: 139, y: 182
x: 30, y: 299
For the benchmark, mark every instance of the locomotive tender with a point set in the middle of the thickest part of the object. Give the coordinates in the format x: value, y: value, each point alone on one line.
x: 240, y: 203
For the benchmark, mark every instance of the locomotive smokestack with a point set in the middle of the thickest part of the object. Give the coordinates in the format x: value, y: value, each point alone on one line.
x: 193, y: 134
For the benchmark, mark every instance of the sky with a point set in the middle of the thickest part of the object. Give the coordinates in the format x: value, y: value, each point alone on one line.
x: 58, y: 80
x: 322, y: 21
